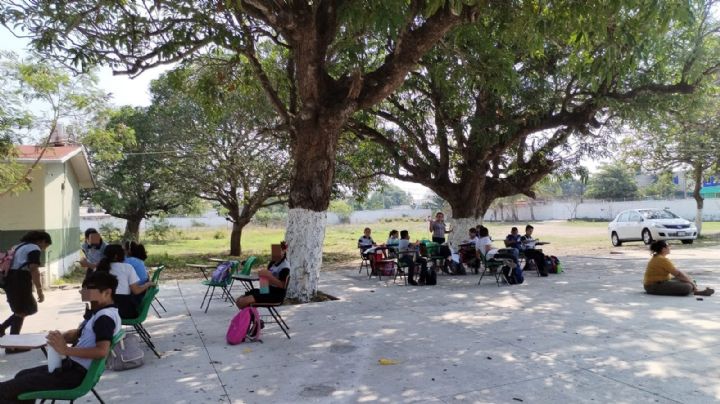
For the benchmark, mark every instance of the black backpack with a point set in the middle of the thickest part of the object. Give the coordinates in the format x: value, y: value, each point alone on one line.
x: 428, y: 277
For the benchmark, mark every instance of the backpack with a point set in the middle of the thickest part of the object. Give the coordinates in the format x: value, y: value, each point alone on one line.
x: 550, y: 265
x: 244, y: 326
x: 222, y: 272
x: 457, y: 268
x: 6, y: 260
x: 127, y: 354
x: 513, y: 276
x: 556, y: 264
x: 428, y: 277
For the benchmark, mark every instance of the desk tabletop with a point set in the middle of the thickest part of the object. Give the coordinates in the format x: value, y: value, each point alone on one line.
x: 35, y: 340
x: 246, y: 277
x: 203, y: 266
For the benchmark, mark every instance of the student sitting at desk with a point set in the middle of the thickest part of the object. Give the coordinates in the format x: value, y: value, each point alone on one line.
x: 365, y: 241
x: 276, y: 273
x: 408, y: 255
x: 528, y: 248
x: 91, y: 340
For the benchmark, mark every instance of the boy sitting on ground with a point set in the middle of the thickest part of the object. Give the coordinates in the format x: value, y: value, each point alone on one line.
x: 91, y: 340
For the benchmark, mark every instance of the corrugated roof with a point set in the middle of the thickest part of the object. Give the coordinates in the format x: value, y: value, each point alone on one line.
x: 52, y: 153
x: 75, y: 154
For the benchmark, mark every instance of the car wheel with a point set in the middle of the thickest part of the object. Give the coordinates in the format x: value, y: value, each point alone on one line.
x: 647, y: 237
x: 687, y: 241
x: 615, y: 240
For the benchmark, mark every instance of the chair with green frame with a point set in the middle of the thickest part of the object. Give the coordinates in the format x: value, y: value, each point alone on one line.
x: 224, y: 284
x: 136, y: 322
x: 245, y: 271
x: 155, y: 279
x: 276, y: 317
x: 491, y: 266
x: 92, y: 377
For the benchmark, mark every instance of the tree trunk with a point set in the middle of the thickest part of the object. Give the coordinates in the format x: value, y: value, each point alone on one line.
x: 314, y: 148
x: 531, y: 205
x: 132, y: 228
x: 235, y: 238
x: 460, y: 227
x: 699, y: 200
x: 305, y: 236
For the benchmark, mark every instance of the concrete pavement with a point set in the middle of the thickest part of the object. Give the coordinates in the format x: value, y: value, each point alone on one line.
x: 588, y: 335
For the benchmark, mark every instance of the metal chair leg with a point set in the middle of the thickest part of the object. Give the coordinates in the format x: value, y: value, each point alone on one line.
x: 209, y: 300
x: 161, y: 305
x: 96, y: 396
x: 279, y: 320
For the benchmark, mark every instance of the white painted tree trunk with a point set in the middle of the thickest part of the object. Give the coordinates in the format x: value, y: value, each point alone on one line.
x: 698, y: 221
x: 305, y: 235
x: 460, y: 227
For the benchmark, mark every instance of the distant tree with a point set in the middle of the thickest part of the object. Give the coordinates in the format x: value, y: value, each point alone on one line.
x: 662, y: 187
x: 225, y: 135
x: 613, y: 181
x: 134, y: 175
x: 342, y: 209
x: 36, y: 96
x: 684, y: 136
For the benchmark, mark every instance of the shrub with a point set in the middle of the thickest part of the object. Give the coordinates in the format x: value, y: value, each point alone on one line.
x: 159, y: 230
x: 110, y: 233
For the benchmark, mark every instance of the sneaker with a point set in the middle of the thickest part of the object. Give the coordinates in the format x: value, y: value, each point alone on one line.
x: 412, y: 283
x: 706, y: 292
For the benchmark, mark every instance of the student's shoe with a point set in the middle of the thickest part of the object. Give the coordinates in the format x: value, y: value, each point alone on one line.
x: 11, y: 351
x: 412, y: 283
x: 706, y: 292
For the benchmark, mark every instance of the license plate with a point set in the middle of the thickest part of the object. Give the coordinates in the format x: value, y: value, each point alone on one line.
x: 681, y: 233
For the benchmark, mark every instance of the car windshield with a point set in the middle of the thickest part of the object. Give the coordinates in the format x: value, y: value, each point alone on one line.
x: 658, y: 214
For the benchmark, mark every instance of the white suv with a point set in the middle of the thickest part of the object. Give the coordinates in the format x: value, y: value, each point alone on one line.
x: 650, y: 224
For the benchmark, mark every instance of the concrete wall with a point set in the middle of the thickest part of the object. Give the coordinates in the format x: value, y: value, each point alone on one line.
x: 24, y: 210
x: 605, y: 210
x: 62, y: 216
x: 52, y: 205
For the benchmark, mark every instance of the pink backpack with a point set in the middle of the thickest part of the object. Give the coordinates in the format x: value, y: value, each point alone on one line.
x: 245, y: 326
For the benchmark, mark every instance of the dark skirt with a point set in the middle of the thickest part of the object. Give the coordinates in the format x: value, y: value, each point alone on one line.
x: 439, y: 240
x: 18, y: 288
x: 127, y: 306
x: 276, y: 295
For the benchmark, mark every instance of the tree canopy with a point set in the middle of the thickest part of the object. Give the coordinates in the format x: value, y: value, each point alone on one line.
x: 494, y: 108
x: 614, y: 181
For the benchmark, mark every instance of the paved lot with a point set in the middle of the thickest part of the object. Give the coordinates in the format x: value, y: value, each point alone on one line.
x: 589, y: 335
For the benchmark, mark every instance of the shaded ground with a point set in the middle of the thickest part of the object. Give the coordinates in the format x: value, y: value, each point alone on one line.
x: 589, y: 335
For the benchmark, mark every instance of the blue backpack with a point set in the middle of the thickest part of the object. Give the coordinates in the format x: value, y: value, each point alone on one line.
x: 222, y: 272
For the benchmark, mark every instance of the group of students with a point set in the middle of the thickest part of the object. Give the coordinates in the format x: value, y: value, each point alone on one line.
x: 115, y: 281
x: 479, y: 242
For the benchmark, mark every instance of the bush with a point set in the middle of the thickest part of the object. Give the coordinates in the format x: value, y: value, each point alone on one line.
x: 110, y: 233
x: 159, y: 230
x: 197, y: 223
x: 219, y: 235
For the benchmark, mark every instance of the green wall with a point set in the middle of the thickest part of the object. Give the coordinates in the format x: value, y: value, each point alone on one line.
x: 65, y: 241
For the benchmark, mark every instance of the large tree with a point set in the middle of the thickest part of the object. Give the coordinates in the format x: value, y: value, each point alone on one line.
x: 229, y: 150
x: 340, y: 57
x: 502, y: 103
x: 132, y: 169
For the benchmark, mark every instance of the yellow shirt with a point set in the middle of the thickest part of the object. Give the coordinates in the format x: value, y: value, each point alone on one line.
x: 659, y: 269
